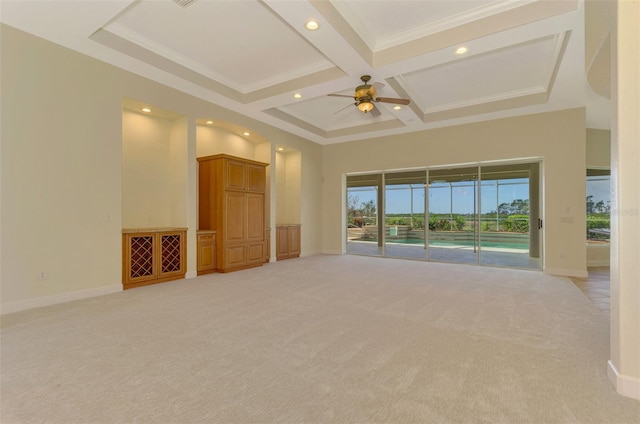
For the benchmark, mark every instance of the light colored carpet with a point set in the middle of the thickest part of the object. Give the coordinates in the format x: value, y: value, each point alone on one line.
x: 317, y: 340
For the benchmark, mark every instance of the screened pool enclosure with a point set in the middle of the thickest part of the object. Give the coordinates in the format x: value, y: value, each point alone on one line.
x: 486, y: 214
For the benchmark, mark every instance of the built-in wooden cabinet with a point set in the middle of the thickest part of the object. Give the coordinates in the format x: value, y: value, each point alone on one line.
x: 287, y: 241
x: 231, y: 203
x: 206, y: 252
x: 153, y: 255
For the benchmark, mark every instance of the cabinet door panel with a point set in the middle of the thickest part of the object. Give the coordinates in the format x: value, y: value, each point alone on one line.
x: 294, y: 241
x: 234, y: 256
x: 171, y: 254
x: 141, y: 263
x: 234, y: 222
x: 255, y: 253
x: 256, y: 178
x: 207, y: 257
x: 235, y: 171
x: 282, y: 242
x: 206, y: 252
x: 255, y: 217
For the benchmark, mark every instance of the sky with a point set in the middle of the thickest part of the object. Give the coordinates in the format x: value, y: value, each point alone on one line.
x: 398, y: 198
x: 598, y: 187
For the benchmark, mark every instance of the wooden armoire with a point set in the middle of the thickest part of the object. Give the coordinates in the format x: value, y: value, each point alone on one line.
x: 231, y: 202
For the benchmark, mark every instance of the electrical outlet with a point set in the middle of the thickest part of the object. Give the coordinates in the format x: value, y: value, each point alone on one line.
x: 42, y: 276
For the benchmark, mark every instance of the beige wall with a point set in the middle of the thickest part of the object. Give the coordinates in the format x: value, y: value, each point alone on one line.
x: 293, y: 173
x: 214, y: 141
x: 288, y: 174
x: 177, y: 189
x: 62, y: 170
x: 624, y: 370
x: 147, y: 172
x: 558, y: 138
x: 598, y: 148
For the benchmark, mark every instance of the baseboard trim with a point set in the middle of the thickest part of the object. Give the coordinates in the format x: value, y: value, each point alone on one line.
x: 599, y: 263
x: 567, y: 272
x: 625, y: 385
x: 190, y: 274
x: 38, y: 302
x: 310, y: 253
x: 332, y: 252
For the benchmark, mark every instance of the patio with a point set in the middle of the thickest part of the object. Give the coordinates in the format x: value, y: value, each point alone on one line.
x: 493, y: 256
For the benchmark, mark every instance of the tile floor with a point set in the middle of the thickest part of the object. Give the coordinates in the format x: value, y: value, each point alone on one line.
x: 596, y: 287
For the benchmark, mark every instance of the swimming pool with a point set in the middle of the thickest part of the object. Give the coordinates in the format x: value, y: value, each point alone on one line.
x: 452, y: 243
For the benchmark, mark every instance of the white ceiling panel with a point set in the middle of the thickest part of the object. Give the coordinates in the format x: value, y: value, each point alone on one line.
x: 371, y: 19
x: 509, y: 71
x: 198, y: 37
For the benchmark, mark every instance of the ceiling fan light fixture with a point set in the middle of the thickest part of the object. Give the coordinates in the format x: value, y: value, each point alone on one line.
x: 365, y: 90
x: 365, y: 96
x: 365, y: 106
x: 362, y: 91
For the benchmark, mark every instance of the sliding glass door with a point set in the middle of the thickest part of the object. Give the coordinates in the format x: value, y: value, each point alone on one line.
x: 405, y: 214
x: 509, y: 228
x: 453, y: 206
x: 363, y: 197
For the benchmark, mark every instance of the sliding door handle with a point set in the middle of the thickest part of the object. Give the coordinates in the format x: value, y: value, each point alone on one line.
x: 539, y: 224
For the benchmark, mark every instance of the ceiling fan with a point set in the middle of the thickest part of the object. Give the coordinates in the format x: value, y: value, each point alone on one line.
x: 365, y: 97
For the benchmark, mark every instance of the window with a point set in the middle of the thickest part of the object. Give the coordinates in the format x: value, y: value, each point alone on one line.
x: 598, y: 205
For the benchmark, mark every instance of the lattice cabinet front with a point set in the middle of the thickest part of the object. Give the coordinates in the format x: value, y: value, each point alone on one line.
x: 141, y: 253
x: 153, y: 256
x: 171, y: 248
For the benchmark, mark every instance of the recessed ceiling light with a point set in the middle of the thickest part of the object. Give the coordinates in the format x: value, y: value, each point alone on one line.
x: 209, y: 122
x: 280, y: 149
x: 397, y: 107
x: 297, y: 96
x: 146, y: 109
x: 246, y: 134
x: 312, y: 24
x: 461, y: 50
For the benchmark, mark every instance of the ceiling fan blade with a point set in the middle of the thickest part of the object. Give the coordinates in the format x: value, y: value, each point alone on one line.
x: 349, y: 105
x: 392, y: 100
x: 340, y: 95
x: 375, y: 112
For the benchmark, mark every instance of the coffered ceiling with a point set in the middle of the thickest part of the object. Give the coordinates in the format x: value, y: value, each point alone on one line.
x: 252, y: 56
